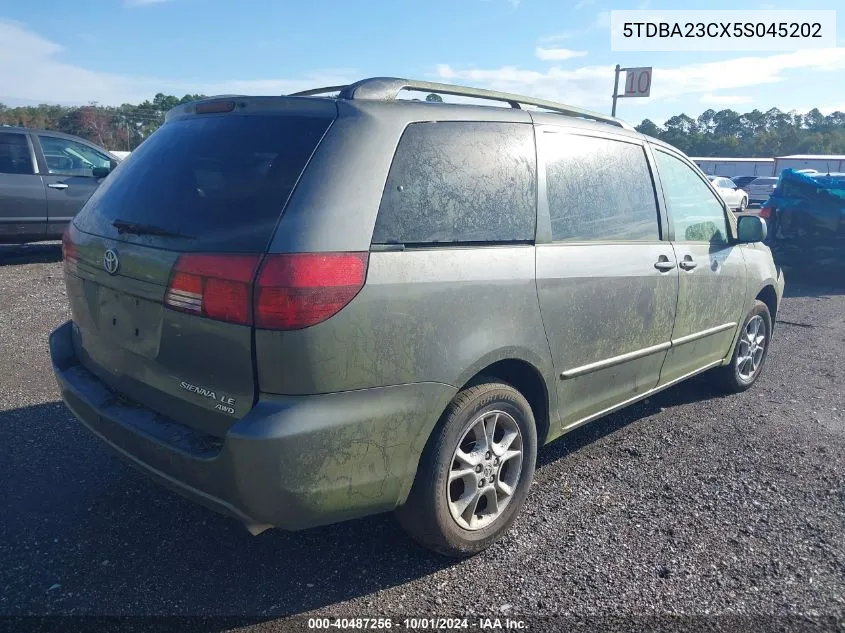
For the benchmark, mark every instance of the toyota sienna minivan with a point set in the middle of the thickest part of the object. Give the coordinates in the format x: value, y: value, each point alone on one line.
x: 299, y: 310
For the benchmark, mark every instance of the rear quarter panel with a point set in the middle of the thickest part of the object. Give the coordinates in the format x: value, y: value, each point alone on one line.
x: 428, y: 315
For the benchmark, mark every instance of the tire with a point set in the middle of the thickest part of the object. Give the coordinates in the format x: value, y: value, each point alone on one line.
x: 743, y: 204
x: 740, y: 375
x: 427, y: 515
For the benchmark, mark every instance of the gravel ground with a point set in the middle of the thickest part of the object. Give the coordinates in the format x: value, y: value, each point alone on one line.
x: 689, y: 503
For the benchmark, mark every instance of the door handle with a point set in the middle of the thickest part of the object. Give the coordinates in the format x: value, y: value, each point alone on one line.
x: 688, y: 263
x: 663, y: 264
x: 57, y: 185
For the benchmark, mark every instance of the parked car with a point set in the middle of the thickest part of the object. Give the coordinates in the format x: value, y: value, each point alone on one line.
x: 760, y: 189
x: 806, y: 216
x: 298, y: 310
x: 730, y: 192
x: 45, y: 179
x: 742, y: 182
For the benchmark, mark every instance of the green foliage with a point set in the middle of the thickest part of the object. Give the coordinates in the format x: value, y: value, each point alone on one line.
x: 753, y: 134
x: 115, y: 128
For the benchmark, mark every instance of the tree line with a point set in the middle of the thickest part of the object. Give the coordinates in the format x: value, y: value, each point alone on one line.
x: 120, y: 128
x: 754, y: 134
x: 723, y: 133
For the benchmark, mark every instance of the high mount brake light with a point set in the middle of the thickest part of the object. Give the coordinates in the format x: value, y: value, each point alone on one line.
x: 215, y: 107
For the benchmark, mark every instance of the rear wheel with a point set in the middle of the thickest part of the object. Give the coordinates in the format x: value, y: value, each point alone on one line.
x: 750, y: 353
x: 474, y: 473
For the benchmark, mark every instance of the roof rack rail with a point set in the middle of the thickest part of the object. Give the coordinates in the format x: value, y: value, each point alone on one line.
x: 388, y: 88
x: 317, y: 91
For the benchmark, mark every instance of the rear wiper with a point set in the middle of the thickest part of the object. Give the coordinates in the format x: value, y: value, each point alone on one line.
x: 137, y: 228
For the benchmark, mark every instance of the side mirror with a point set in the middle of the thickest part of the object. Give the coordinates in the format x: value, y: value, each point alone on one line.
x: 751, y: 229
x: 101, y: 172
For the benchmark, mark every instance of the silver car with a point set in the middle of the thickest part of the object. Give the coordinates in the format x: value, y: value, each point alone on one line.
x: 735, y: 197
x: 299, y: 310
x: 760, y: 189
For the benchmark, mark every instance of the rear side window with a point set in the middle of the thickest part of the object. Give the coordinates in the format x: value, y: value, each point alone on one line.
x: 599, y: 189
x: 456, y: 182
x: 220, y: 182
x: 14, y: 154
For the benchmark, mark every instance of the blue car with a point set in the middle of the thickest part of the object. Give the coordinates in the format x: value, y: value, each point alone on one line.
x: 806, y: 217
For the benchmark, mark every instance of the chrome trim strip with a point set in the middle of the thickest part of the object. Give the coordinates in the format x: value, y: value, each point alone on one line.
x: 640, y: 353
x: 694, y: 337
x: 641, y: 396
x: 615, y: 360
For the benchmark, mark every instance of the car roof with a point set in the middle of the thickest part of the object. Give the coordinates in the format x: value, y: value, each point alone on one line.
x: 382, y: 94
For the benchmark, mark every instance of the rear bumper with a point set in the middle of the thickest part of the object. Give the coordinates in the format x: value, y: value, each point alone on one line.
x: 292, y: 462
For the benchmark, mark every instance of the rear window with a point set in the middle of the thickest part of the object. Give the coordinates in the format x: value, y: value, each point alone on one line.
x: 219, y: 181
x: 14, y: 154
x: 765, y: 181
x: 460, y: 182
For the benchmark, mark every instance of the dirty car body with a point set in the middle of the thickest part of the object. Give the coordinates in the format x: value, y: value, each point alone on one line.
x: 326, y: 275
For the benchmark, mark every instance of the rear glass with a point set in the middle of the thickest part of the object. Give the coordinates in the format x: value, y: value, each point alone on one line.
x: 457, y: 181
x: 765, y: 181
x: 219, y: 181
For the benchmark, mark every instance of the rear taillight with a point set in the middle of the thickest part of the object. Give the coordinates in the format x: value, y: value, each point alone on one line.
x: 70, y: 255
x: 214, y: 286
x: 766, y: 212
x: 297, y: 290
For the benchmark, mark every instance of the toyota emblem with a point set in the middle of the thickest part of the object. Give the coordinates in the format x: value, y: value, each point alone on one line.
x: 110, y: 261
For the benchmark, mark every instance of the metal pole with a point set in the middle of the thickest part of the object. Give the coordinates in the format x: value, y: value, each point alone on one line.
x: 615, y: 91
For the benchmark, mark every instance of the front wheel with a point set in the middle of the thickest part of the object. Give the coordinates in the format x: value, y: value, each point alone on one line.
x: 743, y: 204
x: 750, y: 352
x: 474, y: 473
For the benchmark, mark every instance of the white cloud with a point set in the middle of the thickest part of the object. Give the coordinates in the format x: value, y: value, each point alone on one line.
x: 142, y: 3
x: 724, y: 100
x: 557, y: 37
x: 31, y: 71
x: 557, y: 54
x: 591, y: 86
x: 603, y: 19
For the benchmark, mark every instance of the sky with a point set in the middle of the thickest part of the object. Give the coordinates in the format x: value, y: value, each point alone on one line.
x: 125, y: 51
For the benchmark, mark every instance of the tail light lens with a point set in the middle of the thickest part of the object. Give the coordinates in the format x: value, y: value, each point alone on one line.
x: 766, y: 212
x: 214, y: 286
x: 297, y: 290
x: 70, y: 254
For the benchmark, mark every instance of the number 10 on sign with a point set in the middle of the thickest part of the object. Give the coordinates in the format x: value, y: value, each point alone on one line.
x: 637, y: 83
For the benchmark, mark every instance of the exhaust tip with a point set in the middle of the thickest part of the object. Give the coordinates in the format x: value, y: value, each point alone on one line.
x: 257, y: 528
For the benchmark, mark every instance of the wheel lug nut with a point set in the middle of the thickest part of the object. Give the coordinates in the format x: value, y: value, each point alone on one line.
x: 478, y: 468
x: 487, y: 455
x: 481, y: 483
x: 496, y: 461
